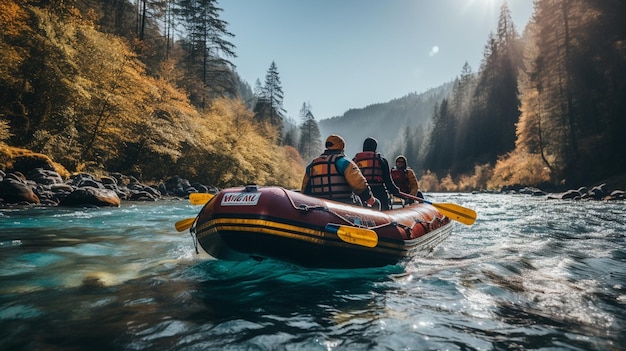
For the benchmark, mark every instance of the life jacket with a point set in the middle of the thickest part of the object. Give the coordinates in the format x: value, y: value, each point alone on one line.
x: 400, y: 179
x: 326, y: 178
x: 370, y: 165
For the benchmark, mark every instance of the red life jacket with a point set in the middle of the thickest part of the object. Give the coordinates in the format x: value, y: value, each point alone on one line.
x: 400, y: 178
x: 326, y: 179
x: 370, y: 165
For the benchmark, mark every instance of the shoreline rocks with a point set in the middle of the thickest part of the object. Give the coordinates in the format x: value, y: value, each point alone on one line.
x: 599, y: 192
x: 45, y: 187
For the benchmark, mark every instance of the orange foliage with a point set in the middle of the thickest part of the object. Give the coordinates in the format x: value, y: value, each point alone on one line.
x: 8, y: 155
x: 519, y: 167
x: 12, y: 17
x: 429, y: 182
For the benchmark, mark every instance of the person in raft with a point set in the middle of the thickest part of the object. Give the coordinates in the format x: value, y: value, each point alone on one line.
x: 333, y: 176
x: 404, y: 177
x: 375, y: 169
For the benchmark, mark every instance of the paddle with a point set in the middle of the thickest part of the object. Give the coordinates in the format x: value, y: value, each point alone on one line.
x: 354, y: 235
x: 200, y: 198
x: 195, y: 199
x: 453, y: 211
x: 184, y: 224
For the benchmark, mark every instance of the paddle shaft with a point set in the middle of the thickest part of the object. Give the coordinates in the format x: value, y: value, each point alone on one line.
x: 453, y: 211
x: 184, y: 224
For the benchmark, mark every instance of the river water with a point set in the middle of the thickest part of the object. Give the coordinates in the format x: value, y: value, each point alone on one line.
x: 530, y: 274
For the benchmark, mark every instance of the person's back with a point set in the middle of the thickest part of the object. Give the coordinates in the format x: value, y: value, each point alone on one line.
x: 335, y: 177
x: 375, y: 169
x: 404, y: 177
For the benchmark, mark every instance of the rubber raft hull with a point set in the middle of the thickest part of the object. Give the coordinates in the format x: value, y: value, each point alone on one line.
x: 272, y: 222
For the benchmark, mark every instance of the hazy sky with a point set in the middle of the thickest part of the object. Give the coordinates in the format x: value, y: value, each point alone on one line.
x: 342, y: 54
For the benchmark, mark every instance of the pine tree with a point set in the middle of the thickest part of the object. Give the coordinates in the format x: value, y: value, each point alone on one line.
x: 269, y: 105
x: 310, y: 136
x: 207, y: 49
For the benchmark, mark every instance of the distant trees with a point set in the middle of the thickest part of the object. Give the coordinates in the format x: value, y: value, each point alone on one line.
x: 269, y: 101
x: 310, y: 145
x: 544, y: 107
x: 476, y: 124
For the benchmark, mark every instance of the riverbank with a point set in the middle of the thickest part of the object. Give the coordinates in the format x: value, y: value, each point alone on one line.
x: 32, y: 178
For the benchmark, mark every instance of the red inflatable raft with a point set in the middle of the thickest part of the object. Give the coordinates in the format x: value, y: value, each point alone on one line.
x: 272, y: 222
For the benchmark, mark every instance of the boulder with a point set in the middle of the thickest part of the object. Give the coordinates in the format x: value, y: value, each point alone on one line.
x: 13, y: 190
x: 90, y: 196
x: 44, y: 176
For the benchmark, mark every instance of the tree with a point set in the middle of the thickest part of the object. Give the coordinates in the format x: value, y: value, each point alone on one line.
x: 206, y: 47
x: 269, y: 106
x: 487, y: 109
x: 439, y: 157
x: 310, y: 137
x: 572, y: 75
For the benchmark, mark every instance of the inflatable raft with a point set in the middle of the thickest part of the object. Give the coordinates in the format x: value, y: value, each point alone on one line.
x: 272, y: 222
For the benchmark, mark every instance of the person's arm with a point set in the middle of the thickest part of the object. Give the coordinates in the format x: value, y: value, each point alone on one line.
x: 304, y: 188
x: 391, y: 186
x: 413, y: 185
x: 356, y: 180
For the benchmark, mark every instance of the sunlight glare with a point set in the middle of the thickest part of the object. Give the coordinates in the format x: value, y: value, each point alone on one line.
x: 434, y: 51
x: 484, y: 7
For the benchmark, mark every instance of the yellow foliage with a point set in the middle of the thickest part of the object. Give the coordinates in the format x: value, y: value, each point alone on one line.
x: 429, y: 182
x: 9, y: 154
x: 99, y: 109
x: 12, y: 18
x: 477, y: 181
x: 234, y: 150
x: 519, y: 167
x: 447, y: 184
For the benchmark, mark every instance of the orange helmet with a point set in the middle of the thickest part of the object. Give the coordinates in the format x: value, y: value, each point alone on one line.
x: 335, y: 142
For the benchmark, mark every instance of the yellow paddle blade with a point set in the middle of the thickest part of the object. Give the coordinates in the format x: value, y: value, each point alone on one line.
x: 184, y: 224
x: 354, y: 235
x: 200, y: 198
x: 456, y: 212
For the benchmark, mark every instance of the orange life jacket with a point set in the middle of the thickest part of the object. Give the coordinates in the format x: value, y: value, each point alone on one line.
x: 326, y: 177
x: 370, y: 165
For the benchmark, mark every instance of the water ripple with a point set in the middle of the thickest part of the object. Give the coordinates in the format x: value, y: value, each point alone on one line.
x: 530, y: 273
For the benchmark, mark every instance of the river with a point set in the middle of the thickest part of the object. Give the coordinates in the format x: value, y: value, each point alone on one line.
x: 530, y: 274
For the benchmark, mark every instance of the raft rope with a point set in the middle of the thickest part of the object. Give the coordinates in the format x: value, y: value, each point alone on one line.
x: 194, y: 237
x: 307, y: 208
x: 192, y: 230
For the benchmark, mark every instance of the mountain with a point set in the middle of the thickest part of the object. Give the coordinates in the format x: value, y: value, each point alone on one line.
x: 385, y: 121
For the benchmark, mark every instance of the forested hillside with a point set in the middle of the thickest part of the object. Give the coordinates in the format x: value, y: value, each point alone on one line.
x: 389, y: 122
x: 97, y: 86
x: 107, y: 85
x: 545, y: 107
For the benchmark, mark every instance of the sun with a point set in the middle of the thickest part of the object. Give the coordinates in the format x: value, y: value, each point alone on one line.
x: 483, y: 5
x: 483, y: 8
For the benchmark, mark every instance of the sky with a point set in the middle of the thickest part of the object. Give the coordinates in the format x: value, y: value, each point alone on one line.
x: 341, y: 54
